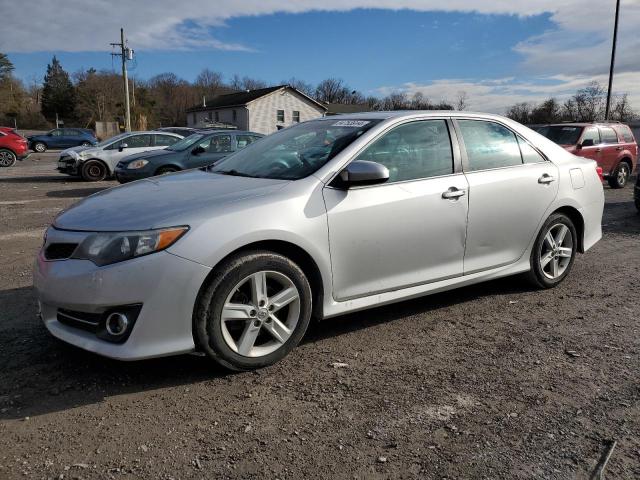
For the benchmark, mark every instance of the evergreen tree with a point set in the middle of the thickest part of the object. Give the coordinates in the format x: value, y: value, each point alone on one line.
x: 6, y: 67
x: 58, y: 93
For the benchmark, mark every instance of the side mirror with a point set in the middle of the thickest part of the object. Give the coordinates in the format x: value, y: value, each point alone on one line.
x: 123, y: 146
x: 585, y: 143
x: 198, y: 150
x: 362, y: 172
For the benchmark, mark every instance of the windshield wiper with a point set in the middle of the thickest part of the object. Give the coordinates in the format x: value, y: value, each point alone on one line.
x: 233, y: 173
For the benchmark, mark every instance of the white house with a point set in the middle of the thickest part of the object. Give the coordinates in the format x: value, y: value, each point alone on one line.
x: 264, y: 110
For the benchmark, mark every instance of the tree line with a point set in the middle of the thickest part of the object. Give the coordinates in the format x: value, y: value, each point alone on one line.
x: 588, y: 104
x: 88, y: 96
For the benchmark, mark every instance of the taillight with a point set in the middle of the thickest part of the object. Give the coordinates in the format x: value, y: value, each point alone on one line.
x: 600, y: 174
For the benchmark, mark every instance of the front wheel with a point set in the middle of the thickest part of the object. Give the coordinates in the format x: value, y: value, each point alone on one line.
x: 85, y: 144
x: 93, y: 171
x: 553, y: 251
x: 40, y: 147
x: 7, y: 158
x: 166, y: 170
x: 254, y: 311
x: 620, y: 176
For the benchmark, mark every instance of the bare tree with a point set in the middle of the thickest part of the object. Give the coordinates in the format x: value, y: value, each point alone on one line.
x: 549, y: 111
x: 461, y: 100
x: 246, y: 83
x: 208, y: 83
x: 331, y: 90
x: 587, y: 105
x: 622, y: 110
x: 300, y: 85
x: 520, y: 112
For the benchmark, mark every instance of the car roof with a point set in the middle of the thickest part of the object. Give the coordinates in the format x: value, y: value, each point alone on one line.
x: 385, y: 115
x: 214, y: 131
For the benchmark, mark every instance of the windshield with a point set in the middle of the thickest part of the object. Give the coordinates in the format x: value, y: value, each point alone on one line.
x: 110, y: 140
x: 561, y: 134
x: 185, y: 142
x: 295, y: 152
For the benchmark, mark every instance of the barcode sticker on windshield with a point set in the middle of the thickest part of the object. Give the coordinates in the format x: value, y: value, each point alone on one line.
x: 350, y: 123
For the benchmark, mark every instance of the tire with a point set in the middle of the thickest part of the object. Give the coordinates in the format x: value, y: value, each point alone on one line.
x: 233, y: 282
x: 93, y: 171
x: 542, y: 274
x: 40, y: 147
x: 85, y: 144
x: 620, y: 176
x: 7, y: 158
x: 166, y: 170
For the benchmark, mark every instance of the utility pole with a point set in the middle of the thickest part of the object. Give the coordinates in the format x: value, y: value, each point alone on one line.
x: 613, y: 61
x: 125, y: 54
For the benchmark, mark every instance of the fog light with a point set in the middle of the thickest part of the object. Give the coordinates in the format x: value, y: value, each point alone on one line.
x: 116, y: 324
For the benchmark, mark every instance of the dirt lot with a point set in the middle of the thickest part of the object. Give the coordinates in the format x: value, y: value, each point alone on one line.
x: 474, y: 383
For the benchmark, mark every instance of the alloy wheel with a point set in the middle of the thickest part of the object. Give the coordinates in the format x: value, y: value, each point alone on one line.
x: 623, y: 174
x: 260, y: 313
x: 39, y: 147
x: 7, y: 159
x: 556, y: 251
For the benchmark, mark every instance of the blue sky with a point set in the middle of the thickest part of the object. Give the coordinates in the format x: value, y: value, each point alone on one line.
x: 498, y: 54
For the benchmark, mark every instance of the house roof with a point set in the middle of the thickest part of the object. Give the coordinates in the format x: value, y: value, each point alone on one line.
x: 337, y: 108
x: 239, y: 99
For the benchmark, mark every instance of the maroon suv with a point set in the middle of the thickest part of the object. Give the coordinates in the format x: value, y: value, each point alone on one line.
x: 610, y: 144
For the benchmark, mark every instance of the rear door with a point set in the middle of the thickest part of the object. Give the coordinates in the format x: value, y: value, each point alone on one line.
x: 511, y: 185
x: 590, y: 145
x: 610, y: 149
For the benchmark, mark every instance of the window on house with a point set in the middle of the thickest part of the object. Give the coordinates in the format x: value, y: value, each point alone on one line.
x: 296, y: 116
x: 280, y: 116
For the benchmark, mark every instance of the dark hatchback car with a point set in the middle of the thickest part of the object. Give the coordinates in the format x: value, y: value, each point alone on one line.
x: 62, y: 138
x: 197, y: 150
x: 611, y: 145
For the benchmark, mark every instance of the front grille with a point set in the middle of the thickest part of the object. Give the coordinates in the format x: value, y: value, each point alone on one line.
x: 85, y: 321
x: 59, y: 251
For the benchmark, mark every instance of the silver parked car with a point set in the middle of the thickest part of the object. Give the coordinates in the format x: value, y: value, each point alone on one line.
x: 327, y: 217
x: 98, y: 162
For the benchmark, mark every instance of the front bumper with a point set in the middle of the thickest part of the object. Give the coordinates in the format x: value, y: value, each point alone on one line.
x: 164, y: 284
x: 124, y: 175
x: 68, y: 165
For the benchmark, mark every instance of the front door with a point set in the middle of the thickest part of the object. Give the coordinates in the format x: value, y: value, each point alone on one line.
x: 403, y: 232
x: 511, y: 185
x: 215, y: 148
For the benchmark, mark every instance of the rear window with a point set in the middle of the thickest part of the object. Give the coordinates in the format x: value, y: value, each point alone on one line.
x: 608, y: 135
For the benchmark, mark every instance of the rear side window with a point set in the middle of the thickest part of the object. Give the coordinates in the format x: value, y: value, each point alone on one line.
x: 137, y: 141
x: 243, y: 140
x: 414, y: 150
x: 220, y: 144
x: 625, y: 133
x: 608, y: 135
x: 489, y: 145
x: 529, y: 154
x: 165, y: 140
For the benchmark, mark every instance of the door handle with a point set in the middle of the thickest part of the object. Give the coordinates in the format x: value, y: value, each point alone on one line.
x: 453, y: 193
x: 598, y: 150
x: 618, y: 148
x: 546, y: 179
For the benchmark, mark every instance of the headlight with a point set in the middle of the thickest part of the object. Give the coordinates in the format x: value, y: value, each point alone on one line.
x: 112, y: 247
x: 137, y: 164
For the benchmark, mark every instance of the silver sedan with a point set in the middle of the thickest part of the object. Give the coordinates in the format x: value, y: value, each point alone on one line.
x: 327, y: 217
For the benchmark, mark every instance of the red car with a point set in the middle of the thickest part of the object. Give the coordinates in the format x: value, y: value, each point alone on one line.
x: 13, y: 146
x: 610, y: 144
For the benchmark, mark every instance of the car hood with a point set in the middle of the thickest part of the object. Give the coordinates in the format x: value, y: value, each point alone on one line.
x: 151, y: 154
x: 75, y: 149
x: 184, y: 198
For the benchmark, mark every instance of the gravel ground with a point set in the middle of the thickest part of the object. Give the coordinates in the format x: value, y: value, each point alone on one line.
x: 473, y: 383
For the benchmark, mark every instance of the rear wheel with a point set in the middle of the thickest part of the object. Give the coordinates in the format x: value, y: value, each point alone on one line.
x: 7, y: 158
x: 254, y: 311
x: 40, y: 147
x: 93, y: 171
x: 553, y: 252
x: 620, y: 175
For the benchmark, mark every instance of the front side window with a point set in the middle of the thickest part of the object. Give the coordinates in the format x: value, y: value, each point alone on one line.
x: 296, y: 116
x: 57, y: 133
x: 489, y: 145
x: 165, y: 140
x: 591, y: 136
x: 295, y: 152
x: 138, y: 141
x: 608, y: 135
x: 414, y: 150
x: 280, y: 116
